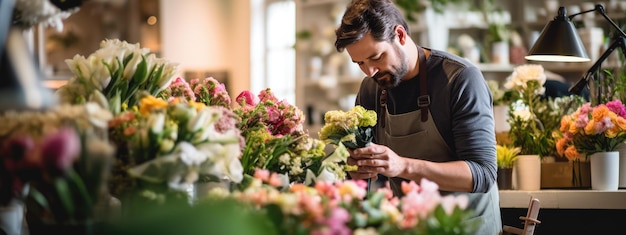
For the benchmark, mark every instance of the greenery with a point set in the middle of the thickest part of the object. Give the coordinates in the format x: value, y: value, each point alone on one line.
x: 506, y: 155
x: 417, y: 6
x: 527, y: 131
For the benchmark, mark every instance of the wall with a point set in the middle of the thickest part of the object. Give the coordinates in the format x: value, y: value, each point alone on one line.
x: 208, y: 35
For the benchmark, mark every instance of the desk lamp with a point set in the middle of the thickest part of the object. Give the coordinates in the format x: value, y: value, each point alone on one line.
x: 559, y: 41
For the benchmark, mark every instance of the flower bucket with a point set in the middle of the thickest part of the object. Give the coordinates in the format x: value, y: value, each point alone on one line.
x: 566, y: 175
x: 604, y: 170
x: 528, y: 172
x: 505, y: 178
x: 12, y: 218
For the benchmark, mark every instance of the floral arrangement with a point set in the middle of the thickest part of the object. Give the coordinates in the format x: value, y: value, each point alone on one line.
x: 208, y: 91
x: 118, y: 71
x: 57, y: 161
x: 275, y: 141
x: 352, y: 128
x: 506, y: 155
x: 345, y: 207
x: 592, y: 129
x: 175, y: 143
x: 527, y: 131
x: 549, y: 113
x: 28, y: 13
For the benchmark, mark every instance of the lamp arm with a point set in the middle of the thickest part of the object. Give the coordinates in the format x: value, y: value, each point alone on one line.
x: 578, y: 87
x: 600, y: 9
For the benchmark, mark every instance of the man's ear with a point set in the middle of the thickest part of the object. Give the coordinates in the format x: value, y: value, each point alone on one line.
x: 401, y: 33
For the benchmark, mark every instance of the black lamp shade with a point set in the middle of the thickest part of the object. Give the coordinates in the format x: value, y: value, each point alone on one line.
x: 559, y: 41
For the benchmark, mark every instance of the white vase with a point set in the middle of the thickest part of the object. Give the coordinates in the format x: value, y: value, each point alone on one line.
x: 500, y: 52
x: 527, y: 170
x: 501, y: 114
x: 622, y: 165
x: 604, y: 170
x: 12, y: 218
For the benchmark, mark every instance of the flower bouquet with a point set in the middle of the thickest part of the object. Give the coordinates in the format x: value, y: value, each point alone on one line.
x: 56, y: 161
x: 275, y: 141
x: 208, y: 91
x: 591, y: 130
x: 342, y: 208
x: 173, y: 144
x: 352, y: 129
x: 117, y: 71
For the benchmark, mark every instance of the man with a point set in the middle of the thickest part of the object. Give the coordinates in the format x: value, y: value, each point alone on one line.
x: 435, y: 117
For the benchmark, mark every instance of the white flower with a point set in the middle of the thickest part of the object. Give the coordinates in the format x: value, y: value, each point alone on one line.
x: 466, y: 41
x: 97, y: 115
x: 32, y: 12
x: 525, y: 73
x: 224, y: 160
x: 156, y: 121
x: 190, y: 155
x: 326, y: 176
x: 523, y: 114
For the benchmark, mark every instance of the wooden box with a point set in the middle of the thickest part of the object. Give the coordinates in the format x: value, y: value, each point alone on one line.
x: 566, y: 175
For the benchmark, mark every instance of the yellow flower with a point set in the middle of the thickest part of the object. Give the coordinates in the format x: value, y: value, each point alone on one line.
x: 150, y: 103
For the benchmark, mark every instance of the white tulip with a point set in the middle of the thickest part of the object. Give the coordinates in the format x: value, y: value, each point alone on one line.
x: 156, y: 121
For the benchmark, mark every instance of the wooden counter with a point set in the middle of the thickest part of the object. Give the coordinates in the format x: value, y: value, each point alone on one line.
x: 565, y: 199
x: 568, y: 211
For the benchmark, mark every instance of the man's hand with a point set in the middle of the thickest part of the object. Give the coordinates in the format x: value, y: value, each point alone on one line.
x: 375, y: 159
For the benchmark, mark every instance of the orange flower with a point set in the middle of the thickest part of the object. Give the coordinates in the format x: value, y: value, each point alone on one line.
x: 600, y: 112
x: 571, y: 153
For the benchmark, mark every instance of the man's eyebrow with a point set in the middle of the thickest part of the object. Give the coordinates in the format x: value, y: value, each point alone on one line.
x: 369, y: 57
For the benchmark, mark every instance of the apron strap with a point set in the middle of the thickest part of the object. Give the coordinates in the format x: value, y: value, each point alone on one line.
x: 423, y: 101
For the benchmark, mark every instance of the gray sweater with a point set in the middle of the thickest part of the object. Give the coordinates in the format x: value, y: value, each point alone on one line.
x: 461, y: 106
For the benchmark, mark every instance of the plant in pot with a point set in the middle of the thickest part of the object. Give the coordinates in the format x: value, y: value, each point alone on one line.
x: 596, y: 132
x: 527, y: 131
x: 506, y: 156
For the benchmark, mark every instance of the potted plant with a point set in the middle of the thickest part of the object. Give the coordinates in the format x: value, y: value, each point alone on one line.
x: 506, y: 156
x: 596, y: 132
x: 527, y: 131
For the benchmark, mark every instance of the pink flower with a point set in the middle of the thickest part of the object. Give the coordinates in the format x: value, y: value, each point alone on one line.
x: 247, y: 98
x: 617, y: 107
x: 60, y: 150
x: 262, y: 174
x: 335, y: 223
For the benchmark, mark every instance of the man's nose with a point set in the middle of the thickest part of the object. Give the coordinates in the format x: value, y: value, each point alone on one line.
x: 370, y: 70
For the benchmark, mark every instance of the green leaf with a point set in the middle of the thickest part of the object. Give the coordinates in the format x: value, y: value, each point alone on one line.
x: 65, y: 195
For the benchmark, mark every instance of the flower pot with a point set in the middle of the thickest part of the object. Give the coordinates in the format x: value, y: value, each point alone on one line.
x: 505, y: 178
x: 622, y: 165
x: 500, y: 52
x: 501, y: 114
x: 604, y: 170
x: 12, y: 218
x: 528, y: 172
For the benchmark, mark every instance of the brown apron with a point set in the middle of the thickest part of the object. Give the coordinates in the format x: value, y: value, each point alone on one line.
x: 414, y: 136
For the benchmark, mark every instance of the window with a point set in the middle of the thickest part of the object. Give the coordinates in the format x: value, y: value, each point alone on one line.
x: 273, y: 55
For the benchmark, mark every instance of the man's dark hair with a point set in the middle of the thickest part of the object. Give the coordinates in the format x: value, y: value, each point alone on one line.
x: 363, y: 16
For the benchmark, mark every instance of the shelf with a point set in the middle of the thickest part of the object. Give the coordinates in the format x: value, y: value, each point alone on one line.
x: 312, y: 3
x: 565, y: 199
x: 496, y: 67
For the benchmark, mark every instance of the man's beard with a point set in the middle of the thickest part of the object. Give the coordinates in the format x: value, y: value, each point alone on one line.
x: 391, y: 79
